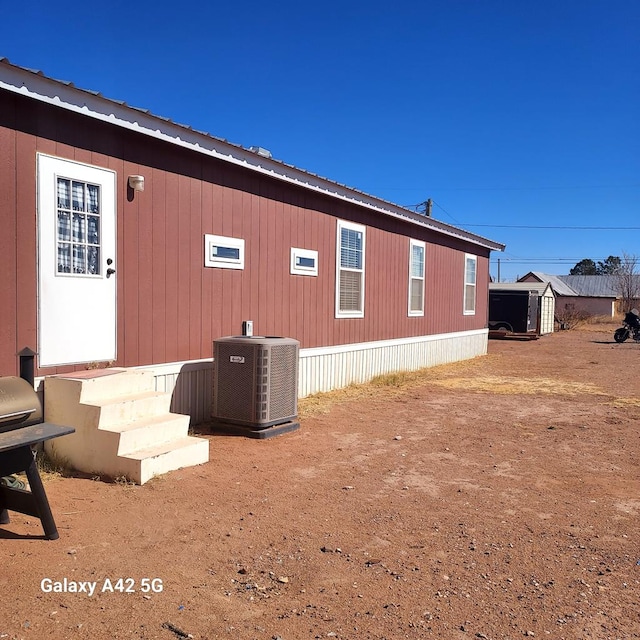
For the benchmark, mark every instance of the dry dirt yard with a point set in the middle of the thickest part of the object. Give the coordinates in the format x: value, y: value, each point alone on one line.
x: 495, y: 498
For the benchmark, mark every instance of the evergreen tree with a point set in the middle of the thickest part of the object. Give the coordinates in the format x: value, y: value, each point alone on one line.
x: 586, y: 267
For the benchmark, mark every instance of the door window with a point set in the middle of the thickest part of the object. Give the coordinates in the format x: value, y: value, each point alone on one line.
x: 78, y: 227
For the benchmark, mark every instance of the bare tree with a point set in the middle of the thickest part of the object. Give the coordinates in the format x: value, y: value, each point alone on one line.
x: 628, y: 282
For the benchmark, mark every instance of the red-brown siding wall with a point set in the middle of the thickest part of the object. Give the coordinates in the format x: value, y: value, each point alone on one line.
x: 170, y: 307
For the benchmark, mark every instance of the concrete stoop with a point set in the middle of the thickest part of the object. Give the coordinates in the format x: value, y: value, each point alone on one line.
x: 123, y: 427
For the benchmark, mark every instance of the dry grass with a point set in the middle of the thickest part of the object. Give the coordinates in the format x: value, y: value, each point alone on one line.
x: 624, y: 403
x: 321, y: 403
x: 464, y: 375
x: 599, y: 324
x: 51, y: 466
x: 519, y: 386
x: 391, y: 384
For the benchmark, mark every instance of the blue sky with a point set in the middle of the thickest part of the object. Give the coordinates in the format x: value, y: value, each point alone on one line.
x: 510, y: 115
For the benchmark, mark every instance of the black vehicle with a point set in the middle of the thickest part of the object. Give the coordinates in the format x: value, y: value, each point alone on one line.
x: 630, y: 327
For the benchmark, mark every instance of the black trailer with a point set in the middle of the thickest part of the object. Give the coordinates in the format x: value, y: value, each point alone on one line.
x: 515, y: 311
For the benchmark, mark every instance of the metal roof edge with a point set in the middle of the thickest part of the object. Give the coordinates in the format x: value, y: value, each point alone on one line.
x: 538, y: 287
x: 36, y: 85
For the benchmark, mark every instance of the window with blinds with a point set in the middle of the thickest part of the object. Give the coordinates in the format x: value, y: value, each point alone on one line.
x: 470, y: 263
x: 416, y: 277
x: 350, y: 270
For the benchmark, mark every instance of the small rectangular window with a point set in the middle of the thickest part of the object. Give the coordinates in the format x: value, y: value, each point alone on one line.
x: 304, y: 262
x: 416, y: 277
x: 470, y: 264
x: 224, y: 253
x: 350, y: 270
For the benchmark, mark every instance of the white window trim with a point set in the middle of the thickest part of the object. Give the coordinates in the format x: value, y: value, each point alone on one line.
x: 468, y: 256
x: 211, y: 241
x: 296, y: 269
x: 416, y: 243
x: 343, y: 224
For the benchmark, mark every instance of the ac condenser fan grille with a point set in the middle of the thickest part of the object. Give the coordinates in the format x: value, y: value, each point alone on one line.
x: 255, y: 380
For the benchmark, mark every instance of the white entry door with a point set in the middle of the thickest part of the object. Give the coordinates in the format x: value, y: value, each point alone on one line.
x: 77, y: 263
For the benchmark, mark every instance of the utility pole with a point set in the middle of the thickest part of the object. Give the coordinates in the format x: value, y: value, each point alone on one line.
x: 428, y: 206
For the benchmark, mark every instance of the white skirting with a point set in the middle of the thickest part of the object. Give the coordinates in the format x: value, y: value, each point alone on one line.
x: 325, y: 368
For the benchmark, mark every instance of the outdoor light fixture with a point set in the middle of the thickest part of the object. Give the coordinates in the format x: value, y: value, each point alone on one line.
x: 136, y: 183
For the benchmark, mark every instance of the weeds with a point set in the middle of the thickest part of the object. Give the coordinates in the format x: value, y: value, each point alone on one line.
x: 123, y: 481
x: 49, y: 464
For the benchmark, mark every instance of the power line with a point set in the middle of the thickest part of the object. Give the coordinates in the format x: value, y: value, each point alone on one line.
x: 529, y: 188
x: 443, y: 209
x: 562, y: 227
x: 545, y: 262
x: 519, y: 226
x: 540, y: 188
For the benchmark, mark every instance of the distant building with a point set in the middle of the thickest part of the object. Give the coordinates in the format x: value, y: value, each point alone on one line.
x: 593, y: 295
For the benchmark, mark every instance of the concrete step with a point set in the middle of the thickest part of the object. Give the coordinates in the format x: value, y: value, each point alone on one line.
x: 120, y: 383
x: 123, y: 427
x: 149, y: 432
x: 100, y: 384
x: 154, y: 461
x: 123, y: 410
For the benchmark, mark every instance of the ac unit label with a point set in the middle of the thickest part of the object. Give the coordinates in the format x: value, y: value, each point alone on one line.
x: 237, y: 359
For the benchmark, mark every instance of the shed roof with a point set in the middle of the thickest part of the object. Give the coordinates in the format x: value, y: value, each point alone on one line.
x: 65, y: 95
x: 541, y: 288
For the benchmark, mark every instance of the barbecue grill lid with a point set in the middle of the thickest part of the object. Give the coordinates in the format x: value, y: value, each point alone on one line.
x: 20, y: 405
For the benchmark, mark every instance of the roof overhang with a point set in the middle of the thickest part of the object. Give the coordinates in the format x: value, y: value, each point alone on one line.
x: 64, y: 95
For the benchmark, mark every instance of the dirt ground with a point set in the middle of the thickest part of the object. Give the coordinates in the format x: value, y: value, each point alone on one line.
x: 495, y: 498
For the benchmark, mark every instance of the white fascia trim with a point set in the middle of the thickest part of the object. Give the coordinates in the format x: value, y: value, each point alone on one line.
x: 379, y: 344
x: 38, y: 87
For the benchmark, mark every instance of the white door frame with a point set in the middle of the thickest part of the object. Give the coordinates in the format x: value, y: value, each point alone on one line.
x: 76, y: 304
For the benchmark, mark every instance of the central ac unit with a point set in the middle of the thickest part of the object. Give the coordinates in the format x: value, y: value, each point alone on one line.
x: 255, y: 381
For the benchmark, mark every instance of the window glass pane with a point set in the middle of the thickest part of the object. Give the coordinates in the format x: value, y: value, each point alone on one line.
x: 470, y: 276
x: 64, y: 191
x: 350, y: 249
x: 93, y: 196
x: 350, y: 290
x: 64, y: 258
x: 78, y: 196
x: 229, y: 253
x: 309, y: 263
x: 64, y: 226
x: 416, y: 295
x: 93, y: 260
x: 79, y: 259
x: 469, y: 297
x: 93, y: 230
x: 417, y: 261
x: 79, y: 228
